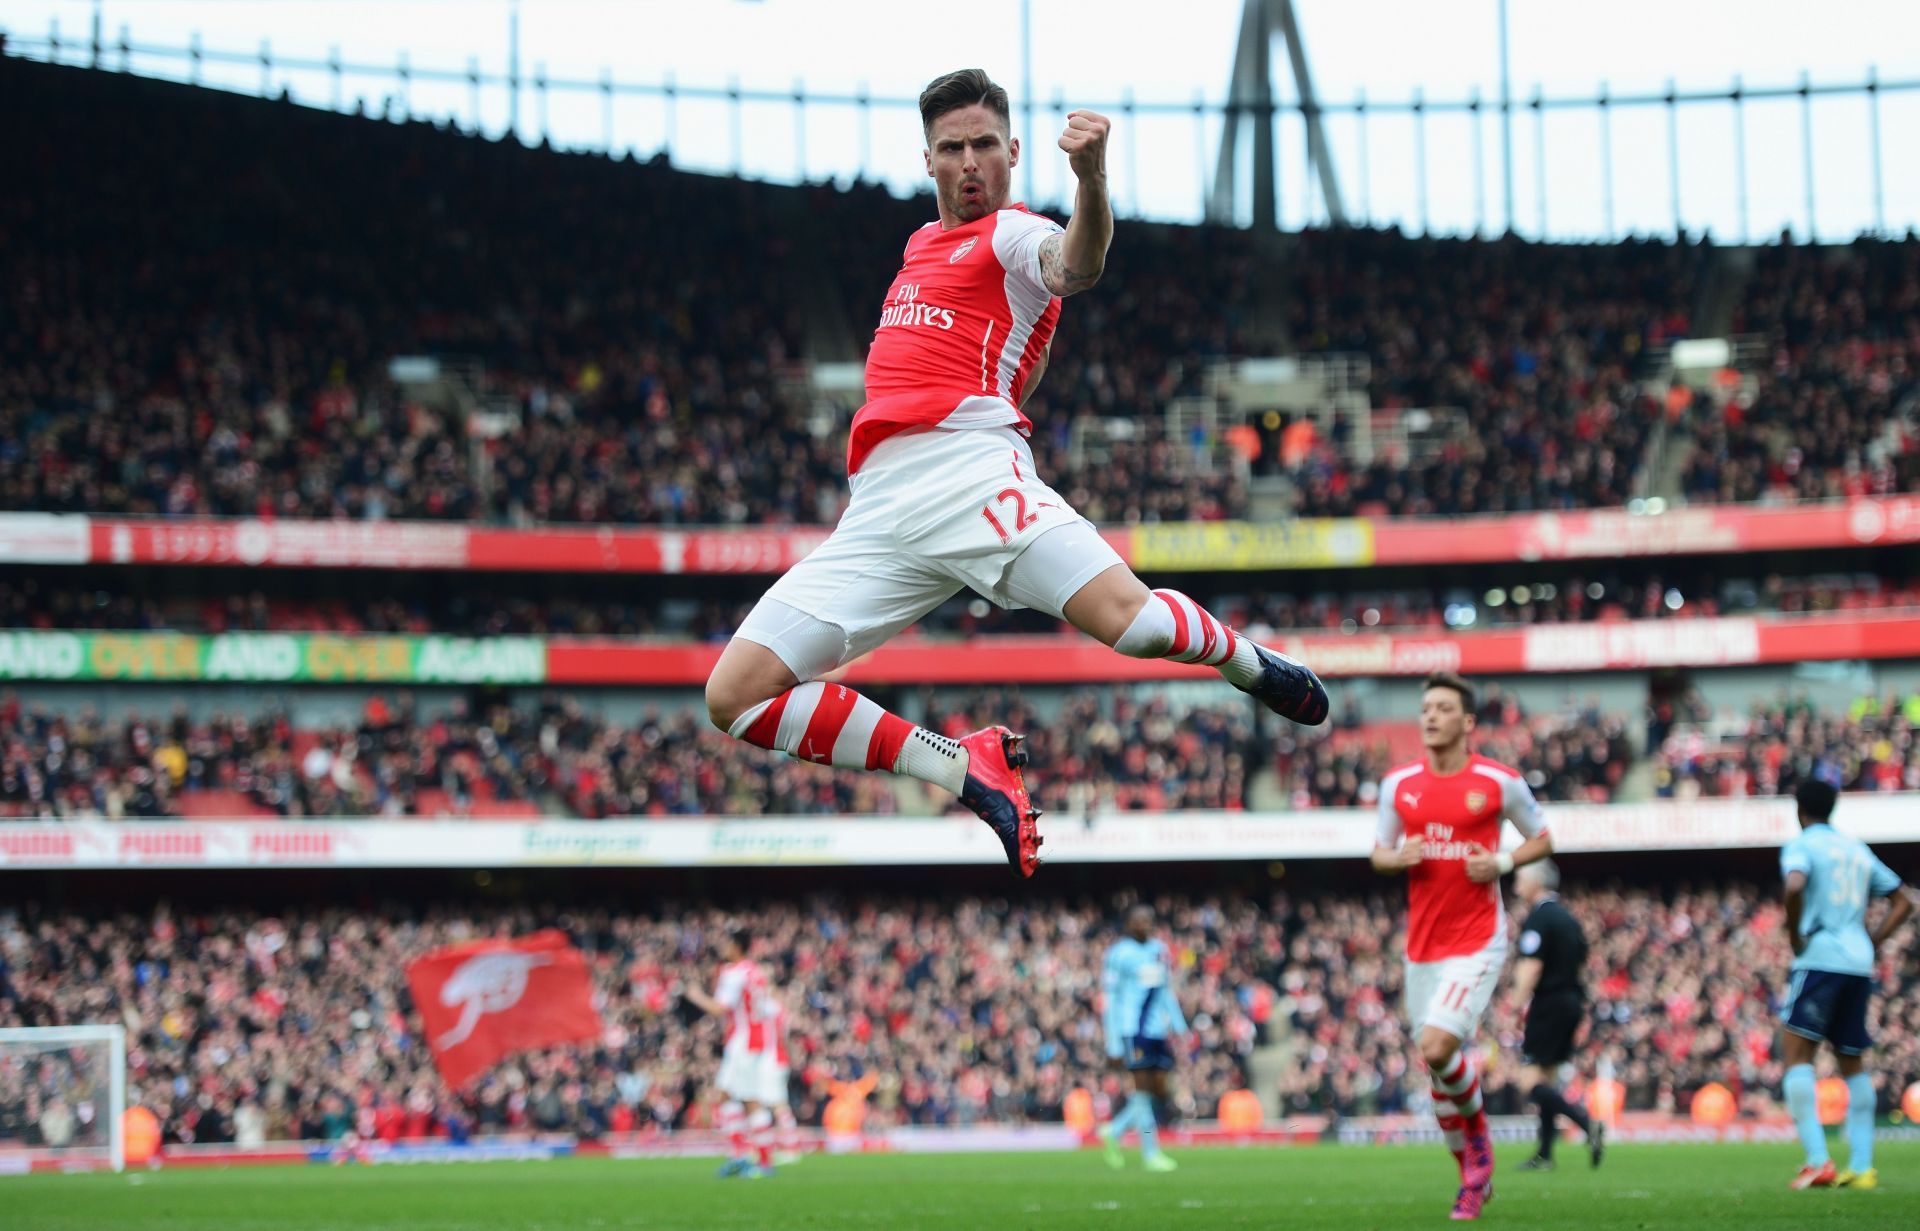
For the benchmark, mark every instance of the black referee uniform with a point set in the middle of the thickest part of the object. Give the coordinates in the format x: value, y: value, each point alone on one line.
x: 1553, y: 937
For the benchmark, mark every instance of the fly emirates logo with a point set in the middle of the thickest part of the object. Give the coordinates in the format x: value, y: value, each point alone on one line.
x: 905, y: 308
x: 1439, y: 844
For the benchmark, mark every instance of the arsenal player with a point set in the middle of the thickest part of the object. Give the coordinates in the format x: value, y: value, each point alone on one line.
x: 1440, y: 821
x: 753, y: 1073
x: 945, y: 494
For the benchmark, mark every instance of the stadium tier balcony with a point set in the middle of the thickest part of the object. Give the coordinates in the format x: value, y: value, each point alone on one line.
x: 639, y: 339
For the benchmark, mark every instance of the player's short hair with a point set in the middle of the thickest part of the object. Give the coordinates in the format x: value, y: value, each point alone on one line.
x: 1139, y: 909
x: 742, y: 939
x: 1454, y: 680
x: 1816, y: 799
x: 960, y: 89
x: 1546, y: 871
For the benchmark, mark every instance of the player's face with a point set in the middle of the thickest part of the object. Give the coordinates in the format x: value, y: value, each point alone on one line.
x: 1444, y: 720
x: 1139, y: 926
x: 971, y: 157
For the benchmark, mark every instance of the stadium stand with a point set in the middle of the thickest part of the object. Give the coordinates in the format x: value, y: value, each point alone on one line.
x: 965, y: 1010
x: 1832, y: 413
x: 640, y: 381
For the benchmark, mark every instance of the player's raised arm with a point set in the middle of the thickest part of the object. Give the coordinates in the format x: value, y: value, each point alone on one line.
x: 1073, y: 261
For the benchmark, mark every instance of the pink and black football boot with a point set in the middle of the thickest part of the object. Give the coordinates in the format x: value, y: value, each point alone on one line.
x: 1476, y: 1179
x: 997, y: 793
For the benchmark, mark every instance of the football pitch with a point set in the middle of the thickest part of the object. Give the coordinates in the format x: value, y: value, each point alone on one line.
x: 1406, y: 1186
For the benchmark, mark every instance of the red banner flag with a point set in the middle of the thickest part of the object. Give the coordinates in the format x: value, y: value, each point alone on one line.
x: 489, y: 998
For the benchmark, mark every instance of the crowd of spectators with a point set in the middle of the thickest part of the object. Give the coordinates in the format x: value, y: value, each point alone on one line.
x: 641, y: 380
x: 554, y: 754
x: 1841, y: 328
x: 1093, y: 750
x: 1784, y: 741
x: 947, y: 1010
x: 1526, y: 352
x: 962, y: 1010
x: 639, y: 327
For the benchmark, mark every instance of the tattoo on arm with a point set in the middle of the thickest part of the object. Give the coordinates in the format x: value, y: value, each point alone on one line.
x: 1054, y: 272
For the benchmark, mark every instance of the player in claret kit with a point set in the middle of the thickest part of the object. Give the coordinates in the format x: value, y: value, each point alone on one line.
x: 753, y: 1074
x: 945, y: 493
x: 1440, y: 824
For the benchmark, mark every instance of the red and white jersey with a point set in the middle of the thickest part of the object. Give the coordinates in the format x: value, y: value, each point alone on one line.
x: 777, y: 1033
x: 965, y: 320
x: 743, y: 990
x: 1447, y: 914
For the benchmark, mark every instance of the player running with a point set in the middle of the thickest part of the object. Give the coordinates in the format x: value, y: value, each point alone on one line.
x: 1830, y: 878
x: 1142, y: 1014
x: 1440, y: 824
x: 945, y: 494
x: 753, y: 1074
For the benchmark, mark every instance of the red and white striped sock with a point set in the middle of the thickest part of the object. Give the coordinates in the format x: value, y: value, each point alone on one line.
x: 1459, y: 1082
x: 760, y: 1124
x: 830, y: 724
x: 1173, y: 626
x: 733, y: 1122
x: 786, y: 1129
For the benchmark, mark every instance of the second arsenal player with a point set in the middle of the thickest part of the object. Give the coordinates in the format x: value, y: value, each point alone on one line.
x: 1440, y: 822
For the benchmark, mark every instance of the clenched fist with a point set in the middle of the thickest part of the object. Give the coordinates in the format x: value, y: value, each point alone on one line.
x: 1085, y: 143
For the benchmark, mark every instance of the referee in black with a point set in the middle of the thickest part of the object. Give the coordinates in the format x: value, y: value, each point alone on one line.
x: 1553, y: 952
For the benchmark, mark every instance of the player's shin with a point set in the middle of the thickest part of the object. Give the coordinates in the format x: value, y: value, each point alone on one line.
x: 1803, y: 1104
x: 1458, y: 1080
x: 830, y: 724
x: 760, y: 1125
x: 1860, y: 1100
x: 1140, y: 1104
x: 1453, y: 1130
x: 1175, y: 627
x: 1550, y: 1103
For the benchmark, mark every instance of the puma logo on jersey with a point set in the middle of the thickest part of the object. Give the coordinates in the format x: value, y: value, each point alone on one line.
x: 1411, y: 799
x: 959, y: 254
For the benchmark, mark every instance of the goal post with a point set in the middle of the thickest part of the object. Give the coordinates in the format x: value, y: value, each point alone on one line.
x: 63, y: 1097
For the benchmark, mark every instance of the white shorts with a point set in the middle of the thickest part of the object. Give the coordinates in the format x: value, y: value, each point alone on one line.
x: 1453, y: 994
x: 753, y: 1077
x: 932, y: 511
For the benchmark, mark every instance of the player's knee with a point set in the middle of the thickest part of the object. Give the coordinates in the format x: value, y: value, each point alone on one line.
x: 1437, y: 1052
x: 726, y: 699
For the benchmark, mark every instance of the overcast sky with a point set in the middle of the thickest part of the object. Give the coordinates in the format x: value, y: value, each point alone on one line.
x: 1088, y: 54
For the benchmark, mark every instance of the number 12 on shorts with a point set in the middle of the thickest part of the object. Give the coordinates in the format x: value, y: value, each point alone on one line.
x: 1021, y: 518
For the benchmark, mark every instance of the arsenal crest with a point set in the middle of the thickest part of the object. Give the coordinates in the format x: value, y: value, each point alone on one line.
x: 1476, y: 800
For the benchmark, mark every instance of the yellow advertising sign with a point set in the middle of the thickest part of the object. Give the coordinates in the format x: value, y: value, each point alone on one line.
x: 1327, y: 542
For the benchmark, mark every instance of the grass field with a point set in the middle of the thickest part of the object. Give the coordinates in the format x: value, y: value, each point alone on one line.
x: 1408, y: 1186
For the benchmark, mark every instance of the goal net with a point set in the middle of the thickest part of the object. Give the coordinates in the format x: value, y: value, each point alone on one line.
x: 63, y: 1098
